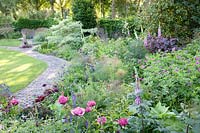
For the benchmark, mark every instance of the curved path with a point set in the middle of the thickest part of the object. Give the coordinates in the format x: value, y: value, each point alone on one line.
x: 50, y: 76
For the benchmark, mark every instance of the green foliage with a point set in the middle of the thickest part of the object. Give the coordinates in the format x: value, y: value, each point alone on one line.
x: 33, y: 23
x: 108, y: 69
x: 176, y: 18
x: 129, y: 51
x: 173, y: 78
x: 66, y: 52
x: 117, y: 27
x: 83, y: 10
x: 47, y: 48
x: 66, y: 32
x: 160, y: 111
x: 13, y: 35
x: 40, y: 37
x: 32, y: 14
x: 5, y: 20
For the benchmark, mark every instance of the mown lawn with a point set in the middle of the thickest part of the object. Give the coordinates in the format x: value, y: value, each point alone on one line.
x: 9, y: 42
x: 17, y: 70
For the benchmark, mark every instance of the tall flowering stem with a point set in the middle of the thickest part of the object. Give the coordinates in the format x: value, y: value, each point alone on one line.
x: 137, y: 89
x: 138, y: 100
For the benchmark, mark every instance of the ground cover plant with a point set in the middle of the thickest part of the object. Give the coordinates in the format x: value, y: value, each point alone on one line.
x: 18, y: 70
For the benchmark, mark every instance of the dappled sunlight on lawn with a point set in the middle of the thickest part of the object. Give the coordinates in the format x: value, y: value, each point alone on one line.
x: 18, y: 70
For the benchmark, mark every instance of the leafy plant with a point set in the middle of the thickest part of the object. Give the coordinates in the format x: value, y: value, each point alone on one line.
x: 172, y: 78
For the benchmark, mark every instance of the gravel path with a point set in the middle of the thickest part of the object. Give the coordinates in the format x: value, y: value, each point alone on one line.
x: 50, y: 76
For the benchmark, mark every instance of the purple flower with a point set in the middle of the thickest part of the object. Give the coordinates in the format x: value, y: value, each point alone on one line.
x: 197, y: 62
x: 197, y: 58
x: 145, y: 41
x: 101, y: 120
x: 137, y: 91
x: 137, y: 100
x: 74, y: 100
x: 86, y: 124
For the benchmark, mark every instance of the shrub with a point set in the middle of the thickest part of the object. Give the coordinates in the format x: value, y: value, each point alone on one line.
x: 158, y: 44
x: 107, y: 69
x: 66, y: 32
x: 66, y: 52
x: 173, y: 78
x: 14, y: 35
x: 47, y: 48
x: 83, y: 10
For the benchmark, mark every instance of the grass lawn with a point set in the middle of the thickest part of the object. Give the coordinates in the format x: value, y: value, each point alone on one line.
x: 10, y: 42
x: 18, y: 70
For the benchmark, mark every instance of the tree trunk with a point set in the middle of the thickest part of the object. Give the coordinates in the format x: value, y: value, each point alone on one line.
x: 62, y: 12
x: 103, y: 11
x: 113, y: 9
x: 52, y: 6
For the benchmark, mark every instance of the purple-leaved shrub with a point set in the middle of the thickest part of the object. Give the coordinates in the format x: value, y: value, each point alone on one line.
x: 160, y: 43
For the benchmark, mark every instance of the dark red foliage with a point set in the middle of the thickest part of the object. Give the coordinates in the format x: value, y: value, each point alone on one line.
x: 40, y: 98
x: 157, y: 44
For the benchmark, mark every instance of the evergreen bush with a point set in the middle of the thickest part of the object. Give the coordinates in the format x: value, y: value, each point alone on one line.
x: 83, y: 10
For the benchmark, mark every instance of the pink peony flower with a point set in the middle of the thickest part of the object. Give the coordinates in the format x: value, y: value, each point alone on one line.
x: 102, y: 120
x: 62, y: 99
x: 14, y: 102
x: 88, y: 109
x: 91, y: 103
x: 122, y: 121
x: 78, y: 111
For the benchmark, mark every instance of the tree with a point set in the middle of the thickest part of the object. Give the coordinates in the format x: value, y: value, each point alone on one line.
x: 176, y: 18
x: 8, y: 6
x: 102, y: 6
x: 83, y: 10
x: 113, y: 9
x: 62, y: 5
x: 52, y: 5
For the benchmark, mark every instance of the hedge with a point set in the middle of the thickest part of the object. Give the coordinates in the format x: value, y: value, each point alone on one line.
x: 33, y: 23
x: 113, y: 26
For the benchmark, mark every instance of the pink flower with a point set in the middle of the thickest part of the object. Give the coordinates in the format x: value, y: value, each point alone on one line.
x: 122, y: 121
x: 88, y: 109
x: 102, y: 120
x: 91, y: 103
x: 78, y: 111
x: 14, y: 102
x: 62, y: 99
